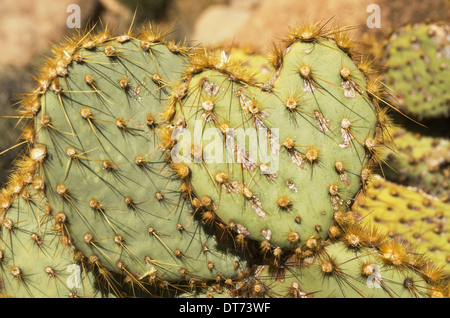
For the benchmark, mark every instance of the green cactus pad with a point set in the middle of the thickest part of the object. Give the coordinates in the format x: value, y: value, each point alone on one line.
x: 420, y: 161
x: 410, y: 216
x: 255, y: 63
x: 96, y: 129
x: 35, y: 259
x: 315, y: 116
x: 340, y: 272
x: 336, y: 271
x: 418, y: 61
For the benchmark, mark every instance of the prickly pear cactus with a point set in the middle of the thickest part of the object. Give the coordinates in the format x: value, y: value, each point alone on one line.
x: 419, y: 161
x: 312, y: 127
x: 116, y: 186
x: 342, y: 272
x: 418, y: 220
x: 418, y: 61
x: 96, y: 150
x: 255, y: 63
x: 355, y: 268
x: 36, y: 257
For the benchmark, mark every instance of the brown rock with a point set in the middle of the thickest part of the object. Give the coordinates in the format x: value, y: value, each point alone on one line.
x: 219, y: 22
x: 27, y: 26
x: 270, y: 20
